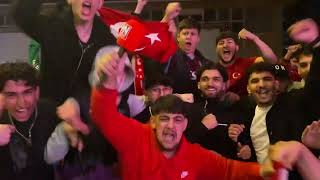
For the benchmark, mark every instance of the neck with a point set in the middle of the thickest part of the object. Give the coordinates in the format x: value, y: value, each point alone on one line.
x: 225, y: 63
x: 191, y: 55
x: 265, y: 105
x: 168, y: 154
x: 84, y: 30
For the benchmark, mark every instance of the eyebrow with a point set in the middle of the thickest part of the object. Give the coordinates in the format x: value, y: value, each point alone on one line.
x: 12, y: 92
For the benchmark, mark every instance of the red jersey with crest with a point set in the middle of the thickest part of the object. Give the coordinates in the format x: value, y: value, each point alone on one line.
x: 237, y: 72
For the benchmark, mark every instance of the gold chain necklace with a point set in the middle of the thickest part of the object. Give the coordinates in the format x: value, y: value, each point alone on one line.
x: 27, y: 139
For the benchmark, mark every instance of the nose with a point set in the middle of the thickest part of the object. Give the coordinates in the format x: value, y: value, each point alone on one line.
x: 20, y: 101
x: 170, y: 124
x: 161, y: 92
x: 224, y: 45
x: 210, y: 82
x: 261, y: 83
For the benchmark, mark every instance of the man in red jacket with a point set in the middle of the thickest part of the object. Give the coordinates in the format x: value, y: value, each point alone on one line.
x: 158, y: 150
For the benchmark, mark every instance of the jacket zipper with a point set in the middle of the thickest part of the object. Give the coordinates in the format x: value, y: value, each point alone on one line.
x: 83, y: 51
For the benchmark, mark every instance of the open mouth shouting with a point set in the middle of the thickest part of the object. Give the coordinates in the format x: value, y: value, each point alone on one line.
x: 227, y: 55
x: 86, y: 8
x: 169, y: 137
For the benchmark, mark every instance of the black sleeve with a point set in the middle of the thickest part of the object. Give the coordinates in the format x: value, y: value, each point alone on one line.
x: 26, y: 14
x: 195, y: 130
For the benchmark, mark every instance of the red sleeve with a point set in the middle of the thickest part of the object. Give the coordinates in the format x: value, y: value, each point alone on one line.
x: 120, y: 130
x: 226, y: 169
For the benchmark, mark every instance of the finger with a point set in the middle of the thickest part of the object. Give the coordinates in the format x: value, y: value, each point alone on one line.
x: 74, y: 141
x: 84, y: 129
x: 110, y: 71
x: 239, y: 145
x: 80, y: 145
x: 234, y: 133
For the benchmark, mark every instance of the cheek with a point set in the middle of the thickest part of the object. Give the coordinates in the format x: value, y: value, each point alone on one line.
x: 10, y: 104
x: 154, y: 96
x: 181, y: 128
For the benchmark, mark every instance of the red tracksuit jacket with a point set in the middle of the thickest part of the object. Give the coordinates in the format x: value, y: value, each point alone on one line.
x: 141, y: 158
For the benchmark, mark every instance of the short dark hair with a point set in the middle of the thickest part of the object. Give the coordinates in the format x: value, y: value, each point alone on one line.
x: 18, y: 71
x: 155, y: 80
x: 305, y: 50
x: 169, y: 104
x: 227, y: 34
x: 189, y: 23
x: 260, y: 67
x: 213, y: 66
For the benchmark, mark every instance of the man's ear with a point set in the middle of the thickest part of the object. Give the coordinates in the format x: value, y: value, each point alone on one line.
x: 248, y: 89
x: 37, y: 93
x: 186, y: 124
x: 225, y: 86
x: 237, y: 48
x: 153, y: 122
x: 69, y: 2
x: 277, y: 84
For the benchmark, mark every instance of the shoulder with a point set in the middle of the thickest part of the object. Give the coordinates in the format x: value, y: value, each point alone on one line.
x: 246, y: 60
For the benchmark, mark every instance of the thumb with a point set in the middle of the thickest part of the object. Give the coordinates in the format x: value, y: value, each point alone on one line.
x: 239, y: 145
x: 80, y: 145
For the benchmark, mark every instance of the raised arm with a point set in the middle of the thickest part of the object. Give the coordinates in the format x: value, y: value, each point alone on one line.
x: 266, y: 52
x: 26, y: 14
x: 172, y: 11
x: 140, y: 5
x: 222, y: 168
x: 121, y: 131
x: 306, y: 31
x: 311, y: 135
x: 294, y: 154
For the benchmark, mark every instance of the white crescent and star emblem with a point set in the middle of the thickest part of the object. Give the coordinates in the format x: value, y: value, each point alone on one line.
x: 236, y: 75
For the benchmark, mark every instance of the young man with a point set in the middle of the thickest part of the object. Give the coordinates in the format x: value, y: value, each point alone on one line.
x: 25, y: 125
x: 69, y: 39
x: 304, y: 58
x: 211, y: 109
x: 155, y: 87
x: 183, y: 65
x: 280, y: 116
x: 227, y: 48
x: 158, y: 150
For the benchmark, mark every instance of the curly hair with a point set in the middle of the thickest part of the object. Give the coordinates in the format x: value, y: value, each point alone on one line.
x: 18, y: 71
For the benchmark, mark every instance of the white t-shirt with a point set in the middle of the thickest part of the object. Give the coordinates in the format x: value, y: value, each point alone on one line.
x: 259, y: 134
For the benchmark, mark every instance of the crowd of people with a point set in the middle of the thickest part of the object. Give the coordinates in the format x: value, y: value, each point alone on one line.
x: 79, y: 115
